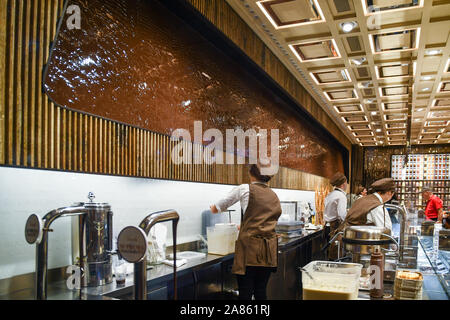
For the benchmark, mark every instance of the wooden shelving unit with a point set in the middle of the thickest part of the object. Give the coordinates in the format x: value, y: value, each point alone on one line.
x: 421, y: 170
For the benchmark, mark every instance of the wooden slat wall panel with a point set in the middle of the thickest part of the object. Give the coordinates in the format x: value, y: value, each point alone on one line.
x: 3, y: 28
x: 35, y: 133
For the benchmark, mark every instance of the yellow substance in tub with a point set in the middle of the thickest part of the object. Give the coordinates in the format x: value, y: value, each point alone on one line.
x: 328, y: 293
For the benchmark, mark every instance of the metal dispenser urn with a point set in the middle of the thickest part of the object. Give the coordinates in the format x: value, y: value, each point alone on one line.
x: 94, y: 242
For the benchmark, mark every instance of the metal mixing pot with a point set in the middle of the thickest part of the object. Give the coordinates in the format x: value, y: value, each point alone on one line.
x: 364, y: 239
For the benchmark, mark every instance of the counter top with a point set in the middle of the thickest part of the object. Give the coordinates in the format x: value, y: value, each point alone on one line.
x: 156, y: 273
x: 433, y: 287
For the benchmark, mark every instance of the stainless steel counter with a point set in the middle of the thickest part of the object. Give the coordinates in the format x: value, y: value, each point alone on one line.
x: 435, y: 278
x: 59, y: 291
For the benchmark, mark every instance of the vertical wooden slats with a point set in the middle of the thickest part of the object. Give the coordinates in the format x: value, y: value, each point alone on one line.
x: 3, y: 39
x: 18, y: 81
x: 10, y: 80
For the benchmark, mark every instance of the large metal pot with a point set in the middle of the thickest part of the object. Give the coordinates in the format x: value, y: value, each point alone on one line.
x: 364, y: 240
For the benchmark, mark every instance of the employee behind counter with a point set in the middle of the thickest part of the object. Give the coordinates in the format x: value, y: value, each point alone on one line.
x: 256, y: 251
x: 370, y: 210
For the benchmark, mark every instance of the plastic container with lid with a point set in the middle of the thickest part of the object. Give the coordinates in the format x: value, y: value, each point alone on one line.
x: 327, y: 280
x: 222, y: 238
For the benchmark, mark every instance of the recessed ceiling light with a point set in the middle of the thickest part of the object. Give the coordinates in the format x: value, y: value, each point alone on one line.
x: 417, y: 120
x: 348, y: 26
x: 378, y: 130
x: 433, y: 52
x: 420, y: 109
x: 426, y: 78
x: 426, y: 89
x: 373, y: 113
x: 359, y: 61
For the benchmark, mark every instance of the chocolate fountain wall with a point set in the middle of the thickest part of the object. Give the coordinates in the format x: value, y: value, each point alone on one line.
x: 137, y: 63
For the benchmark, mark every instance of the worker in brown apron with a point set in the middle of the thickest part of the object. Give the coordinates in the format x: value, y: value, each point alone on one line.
x: 369, y: 210
x: 256, y: 249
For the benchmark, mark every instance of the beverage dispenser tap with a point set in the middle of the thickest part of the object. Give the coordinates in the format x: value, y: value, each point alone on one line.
x: 229, y: 214
x: 402, y: 211
x: 132, y: 246
x: 95, y: 242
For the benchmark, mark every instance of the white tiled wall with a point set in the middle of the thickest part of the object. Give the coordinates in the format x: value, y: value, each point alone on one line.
x: 26, y: 191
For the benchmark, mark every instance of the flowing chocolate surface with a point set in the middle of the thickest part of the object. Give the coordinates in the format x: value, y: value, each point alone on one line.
x: 135, y: 62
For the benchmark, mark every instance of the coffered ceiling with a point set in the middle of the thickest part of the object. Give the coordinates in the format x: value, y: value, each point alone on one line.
x: 380, y: 68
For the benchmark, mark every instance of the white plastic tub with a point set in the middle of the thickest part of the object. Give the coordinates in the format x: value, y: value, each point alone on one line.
x: 332, y: 280
x: 222, y: 238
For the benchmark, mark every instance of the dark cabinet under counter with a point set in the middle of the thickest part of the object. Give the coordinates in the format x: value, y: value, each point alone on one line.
x: 285, y: 283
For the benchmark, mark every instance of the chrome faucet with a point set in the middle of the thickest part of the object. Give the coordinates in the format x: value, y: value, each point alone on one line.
x: 42, y: 247
x: 140, y: 266
x: 402, y: 211
x: 95, y: 244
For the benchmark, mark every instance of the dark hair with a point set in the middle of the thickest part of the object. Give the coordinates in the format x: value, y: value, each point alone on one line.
x: 256, y: 173
x: 359, y: 190
x: 427, y: 189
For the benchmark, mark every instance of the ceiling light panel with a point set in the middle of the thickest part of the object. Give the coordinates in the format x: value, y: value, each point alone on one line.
x: 396, y: 106
x: 291, y: 13
x: 394, y: 70
x: 438, y: 123
x: 352, y: 108
x: 331, y: 77
x: 380, y: 6
x: 401, y: 40
x: 346, y: 94
x: 439, y: 114
x: 444, y: 86
x: 354, y: 118
x: 439, y: 103
x: 396, y: 125
x: 357, y: 127
x: 394, y: 91
x: 317, y: 50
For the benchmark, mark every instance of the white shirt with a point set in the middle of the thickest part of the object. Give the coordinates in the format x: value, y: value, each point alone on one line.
x: 335, y: 205
x: 240, y: 193
x: 378, y: 215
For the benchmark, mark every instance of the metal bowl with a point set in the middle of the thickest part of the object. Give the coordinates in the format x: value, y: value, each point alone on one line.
x: 364, y: 239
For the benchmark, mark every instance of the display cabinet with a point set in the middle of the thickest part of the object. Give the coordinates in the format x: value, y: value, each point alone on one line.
x: 432, y: 170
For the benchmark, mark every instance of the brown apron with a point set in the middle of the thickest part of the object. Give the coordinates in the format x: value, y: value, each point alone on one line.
x: 356, y: 216
x: 257, y: 243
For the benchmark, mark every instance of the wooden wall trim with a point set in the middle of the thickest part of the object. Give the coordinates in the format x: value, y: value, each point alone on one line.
x: 3, y: 7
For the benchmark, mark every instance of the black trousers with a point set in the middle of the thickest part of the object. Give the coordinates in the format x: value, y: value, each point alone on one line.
x: 254, y: 282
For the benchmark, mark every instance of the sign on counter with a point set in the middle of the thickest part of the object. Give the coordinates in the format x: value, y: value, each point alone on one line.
x: 132, y: 244
x: 33, y: 229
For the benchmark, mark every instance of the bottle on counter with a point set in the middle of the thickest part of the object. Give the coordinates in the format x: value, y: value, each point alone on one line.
x: 376, y: 274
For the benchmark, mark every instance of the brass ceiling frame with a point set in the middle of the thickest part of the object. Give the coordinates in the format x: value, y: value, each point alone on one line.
x: 425, y: 18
